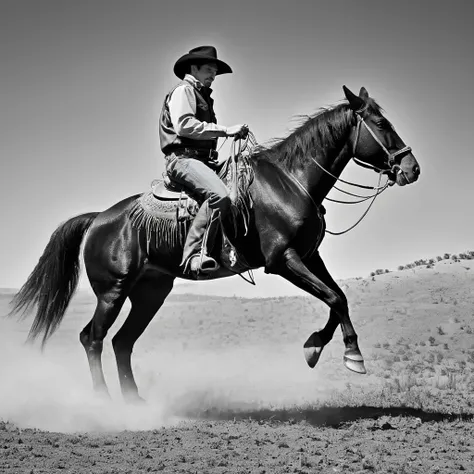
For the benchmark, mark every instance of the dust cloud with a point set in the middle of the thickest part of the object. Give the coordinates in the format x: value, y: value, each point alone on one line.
x: 52, y: 390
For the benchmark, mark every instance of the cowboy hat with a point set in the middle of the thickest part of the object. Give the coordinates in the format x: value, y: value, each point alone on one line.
x: 200, y: 55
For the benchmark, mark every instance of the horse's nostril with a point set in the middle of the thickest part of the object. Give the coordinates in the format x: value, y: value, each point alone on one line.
x: 416, y: 170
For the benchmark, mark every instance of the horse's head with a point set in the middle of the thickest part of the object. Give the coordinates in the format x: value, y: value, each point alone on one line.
x: 375, y: 142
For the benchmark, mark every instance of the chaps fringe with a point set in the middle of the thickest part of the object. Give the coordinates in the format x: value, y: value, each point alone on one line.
x: 161, y: 226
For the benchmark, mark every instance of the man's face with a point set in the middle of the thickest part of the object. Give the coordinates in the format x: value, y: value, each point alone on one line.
x: 205, y: 73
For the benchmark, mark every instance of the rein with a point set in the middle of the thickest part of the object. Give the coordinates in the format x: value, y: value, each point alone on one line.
x: 345, y: 182
x: 392, y: 164
x: 380, y: 190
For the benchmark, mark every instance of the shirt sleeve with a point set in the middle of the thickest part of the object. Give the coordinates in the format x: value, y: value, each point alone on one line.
x: 182, y: 107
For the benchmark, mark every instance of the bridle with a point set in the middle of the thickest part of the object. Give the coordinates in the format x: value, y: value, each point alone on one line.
x: 393, y: 164
x: 392, y: 161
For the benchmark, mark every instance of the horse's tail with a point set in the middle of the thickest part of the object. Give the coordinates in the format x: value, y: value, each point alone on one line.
x: 53, y: 281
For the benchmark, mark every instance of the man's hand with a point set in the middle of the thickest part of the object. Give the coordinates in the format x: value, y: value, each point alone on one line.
x: 238, y: 131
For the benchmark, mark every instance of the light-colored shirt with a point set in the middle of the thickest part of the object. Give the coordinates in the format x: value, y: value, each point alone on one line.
x: 182, y: 107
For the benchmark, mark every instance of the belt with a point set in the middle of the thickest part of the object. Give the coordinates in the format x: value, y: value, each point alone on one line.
x: 199, y: 154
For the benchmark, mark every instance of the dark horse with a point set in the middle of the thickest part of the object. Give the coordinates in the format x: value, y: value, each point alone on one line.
x: 285, y: 225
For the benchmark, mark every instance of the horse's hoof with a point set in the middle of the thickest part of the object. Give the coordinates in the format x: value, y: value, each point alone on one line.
x: 312, y: 349
x: 355, y: 362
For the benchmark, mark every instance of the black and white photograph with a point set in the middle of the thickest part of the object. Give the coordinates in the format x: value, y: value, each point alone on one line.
x: 237, y: 237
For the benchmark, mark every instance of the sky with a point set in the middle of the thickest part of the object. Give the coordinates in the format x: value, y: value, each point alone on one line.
x: 82, y: 84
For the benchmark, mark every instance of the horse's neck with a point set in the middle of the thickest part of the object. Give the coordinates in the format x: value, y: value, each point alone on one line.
x: 317, y: 170
x: 324, y: 170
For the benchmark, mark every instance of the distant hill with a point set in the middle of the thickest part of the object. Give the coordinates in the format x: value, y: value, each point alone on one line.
x: 410, y: 303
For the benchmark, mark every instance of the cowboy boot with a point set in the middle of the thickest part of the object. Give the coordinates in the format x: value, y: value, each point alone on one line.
x: 210, y: 236
x: 199, y: 242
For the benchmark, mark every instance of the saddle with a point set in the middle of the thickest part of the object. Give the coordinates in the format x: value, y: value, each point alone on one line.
x: 167, y: 190
x: 237, y: 176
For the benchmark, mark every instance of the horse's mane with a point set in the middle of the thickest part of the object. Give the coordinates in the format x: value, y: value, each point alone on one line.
x: 320, y: 130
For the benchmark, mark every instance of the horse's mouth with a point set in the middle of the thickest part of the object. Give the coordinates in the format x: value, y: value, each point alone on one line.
x: 401, y: 178
x: 392, y: 178
x: 398, y: 177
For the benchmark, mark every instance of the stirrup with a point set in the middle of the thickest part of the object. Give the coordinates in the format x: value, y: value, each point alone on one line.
x: 202, y: 264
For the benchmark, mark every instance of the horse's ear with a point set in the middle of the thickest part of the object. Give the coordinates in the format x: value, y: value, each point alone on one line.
x: 363, y: 94
x: 356, y: 102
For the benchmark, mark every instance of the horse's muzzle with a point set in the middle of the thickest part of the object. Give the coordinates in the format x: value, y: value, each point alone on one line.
x: 406, y: 172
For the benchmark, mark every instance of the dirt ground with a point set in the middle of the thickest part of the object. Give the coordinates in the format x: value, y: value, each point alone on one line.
x: 228, y: 390
x: 312, y: 442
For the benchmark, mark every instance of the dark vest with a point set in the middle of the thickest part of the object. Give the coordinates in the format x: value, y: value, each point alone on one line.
x: 169, y: 140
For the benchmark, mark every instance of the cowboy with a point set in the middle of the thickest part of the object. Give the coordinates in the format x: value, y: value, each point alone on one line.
x: 188, y: 138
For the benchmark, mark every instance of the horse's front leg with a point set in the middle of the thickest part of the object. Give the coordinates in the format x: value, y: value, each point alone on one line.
x: 316, y: 280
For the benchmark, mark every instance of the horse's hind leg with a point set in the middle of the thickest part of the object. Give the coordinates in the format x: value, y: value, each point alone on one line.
x: 92, y: 336
x: 147, y: 297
